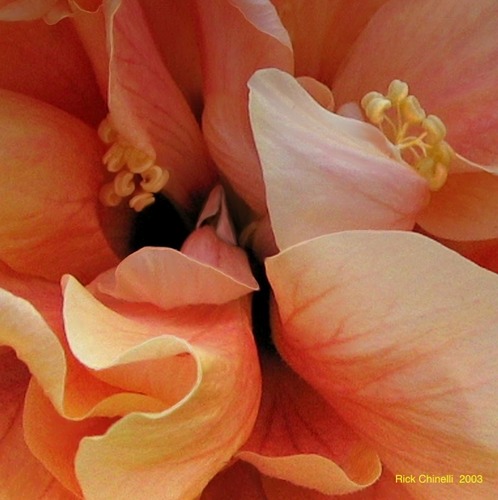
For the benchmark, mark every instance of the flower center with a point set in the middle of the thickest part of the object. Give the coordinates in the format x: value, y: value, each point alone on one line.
x: 418, y: 138
x: 136, y: 176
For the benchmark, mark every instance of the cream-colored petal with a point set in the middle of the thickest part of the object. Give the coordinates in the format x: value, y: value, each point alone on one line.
x: 323, y: 172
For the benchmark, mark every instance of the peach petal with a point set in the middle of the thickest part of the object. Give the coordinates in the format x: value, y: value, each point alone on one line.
x: 147, y: 107
x: 135, y: 278
x: 67, y: 82
x: 464, y: 209
x: 54, y: 440
x: 402, y: 345
x: 24, y: 10
x: 214, y: 241
x: 299, y: 438
x: 51, y: 162
x: 444, y: 54
x: 237, y: 38
x: 323, y: 31
x: 179, y: 449
x: 323, y: 172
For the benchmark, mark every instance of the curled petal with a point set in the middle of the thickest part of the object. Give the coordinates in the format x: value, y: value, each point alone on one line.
x: 299, y: 438
x: 323, y: 172
x: 178, y: 449
x: 403, y: 346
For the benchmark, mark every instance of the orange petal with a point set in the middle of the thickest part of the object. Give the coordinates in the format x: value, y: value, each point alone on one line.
x: 25, y: 10
x: 323, y: 172
x: 322, y: 32
x: 239, y: 481
x: 464, y: 209
x: 413, y: 41
x: 402, y: 344
x: 299, y: 438
x: 173, y: 27
x: 54, y: 440
x: 21, y: 475
x: 67, y: 82
x: 237, y: 38
x: 49, y: 209
x: 179, y: 449
x: 148, y: 109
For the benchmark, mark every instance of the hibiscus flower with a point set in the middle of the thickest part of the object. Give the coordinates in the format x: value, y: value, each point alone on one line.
x: 146, y: 382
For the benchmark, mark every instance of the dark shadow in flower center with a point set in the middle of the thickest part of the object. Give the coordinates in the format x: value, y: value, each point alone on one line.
x: 261, y: 309
x: 158, y: 225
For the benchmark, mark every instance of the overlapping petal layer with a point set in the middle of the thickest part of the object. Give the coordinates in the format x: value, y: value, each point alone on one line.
x: 323, y: 172
x: 402, y: 345
x: 252, y: 38
x: 146, y: 106
x: 155, y: 399
x: 299, y: 438
x: 49, y: 64
x: 51, y: 219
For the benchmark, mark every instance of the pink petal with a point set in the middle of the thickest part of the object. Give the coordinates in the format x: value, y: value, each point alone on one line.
x: 465, y: 209
x: 146, y: 106
x: 237, y: 38
x: 322, y: 32
x: 179, y: 449
x: 299, y: 438
x: 67, y: 82
x: 323, y: 172
x: 49, y: 209
x: 135, y: 278
x: 403, y: 345
x: 214, y: 241
x: 445, y: 53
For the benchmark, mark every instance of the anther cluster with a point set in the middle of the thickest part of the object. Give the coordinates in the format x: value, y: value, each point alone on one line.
x: 417, y: 137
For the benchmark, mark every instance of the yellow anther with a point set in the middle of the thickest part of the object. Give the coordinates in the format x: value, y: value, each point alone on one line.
x: 141, y: 200
x: 139, y: 162
x: 397, y: 91
x: 108, y: 197
x: 137, y: 175
x: 154, y: 179
x: 123, y: 183
x: 443, y: 153
x: 106, y: 133
x: 367, y: 98
x: 439, y: 177
x: 435, y: 128
x: 376, y: 109
x: 411, y: 110
x: 418, y: 138
x: 115, y: 159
